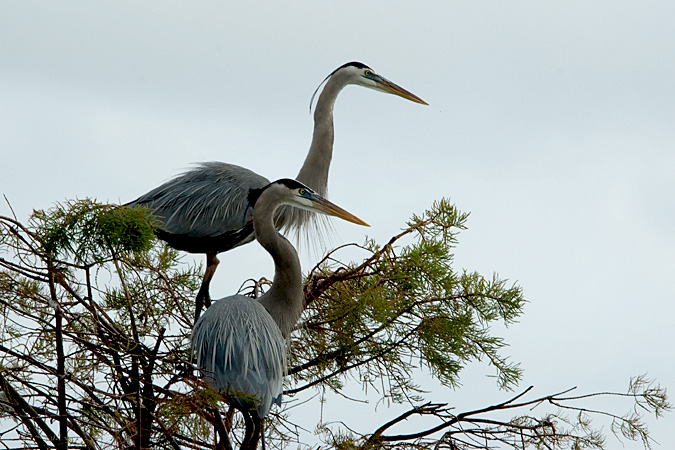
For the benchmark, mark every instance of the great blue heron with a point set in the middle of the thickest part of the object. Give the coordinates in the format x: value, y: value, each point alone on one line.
x: 240, y: 343
x: 204, y: 209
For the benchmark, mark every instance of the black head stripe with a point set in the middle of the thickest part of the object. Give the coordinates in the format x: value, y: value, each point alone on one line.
x: 254, y: 193
x: 356, y: 64
x: 292, y: 184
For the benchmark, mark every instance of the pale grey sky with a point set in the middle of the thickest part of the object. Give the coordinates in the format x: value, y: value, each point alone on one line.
x: 551, y: 122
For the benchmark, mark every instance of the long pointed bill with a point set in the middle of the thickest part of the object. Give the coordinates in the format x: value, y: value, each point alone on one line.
x: 332, y: 209
x: 392, y: 88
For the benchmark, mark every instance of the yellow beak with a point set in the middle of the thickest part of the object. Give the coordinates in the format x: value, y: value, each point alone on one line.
x: 392, y: 88
x: 332, y: 209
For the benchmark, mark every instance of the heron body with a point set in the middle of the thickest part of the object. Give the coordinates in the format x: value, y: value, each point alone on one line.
x: 244, y: 354
x: 239, y: 343
x: 204, y: 210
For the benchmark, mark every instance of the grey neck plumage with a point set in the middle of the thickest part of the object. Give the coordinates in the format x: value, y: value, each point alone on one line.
x: 314, y: 171
x: 285, y: 299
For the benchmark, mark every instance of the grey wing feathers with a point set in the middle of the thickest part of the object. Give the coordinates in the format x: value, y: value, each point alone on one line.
x: 241, y: 352
x: 204, y: 202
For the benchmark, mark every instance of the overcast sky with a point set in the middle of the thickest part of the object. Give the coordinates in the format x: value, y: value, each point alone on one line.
x: 553, y: 123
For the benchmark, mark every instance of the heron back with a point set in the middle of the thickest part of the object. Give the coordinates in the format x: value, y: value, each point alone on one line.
x: 207, y: 201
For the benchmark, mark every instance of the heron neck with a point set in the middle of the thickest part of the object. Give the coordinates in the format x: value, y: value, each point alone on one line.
x: 285, y: 299
x: 314, y: 171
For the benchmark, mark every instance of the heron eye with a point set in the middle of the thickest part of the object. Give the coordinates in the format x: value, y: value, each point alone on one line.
x: 302, y: 191
x: 368, y: 73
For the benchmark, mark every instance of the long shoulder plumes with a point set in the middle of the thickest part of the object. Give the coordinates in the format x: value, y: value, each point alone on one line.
x: 205, y: 201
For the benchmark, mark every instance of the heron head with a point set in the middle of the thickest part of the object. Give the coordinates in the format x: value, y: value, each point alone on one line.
x: 294, y: 193
x: 363, y: 75
x: 360, y: 74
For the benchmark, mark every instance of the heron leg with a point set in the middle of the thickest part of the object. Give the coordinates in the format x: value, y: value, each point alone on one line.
x: 248, y: 434
x: 229, y: 417
x: 257, y: 430
x: 203, y: 296
x: 223, y: 442
x: 253, y: 430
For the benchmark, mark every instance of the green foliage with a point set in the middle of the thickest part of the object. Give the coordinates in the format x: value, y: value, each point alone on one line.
x: 404, y: 303
x: 95, y: 324
x: 88, y: 231
x: 117, y: 354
